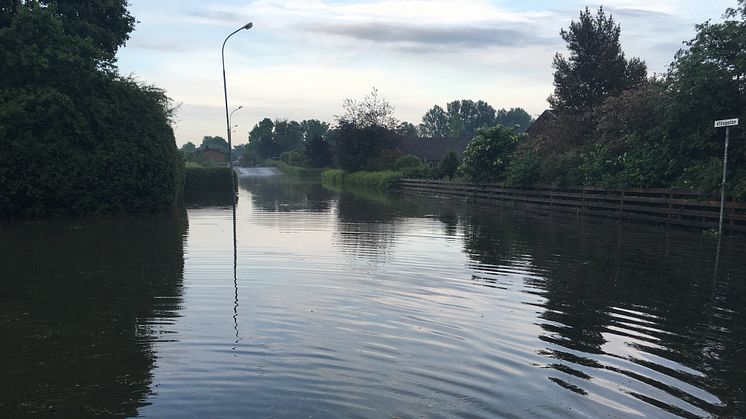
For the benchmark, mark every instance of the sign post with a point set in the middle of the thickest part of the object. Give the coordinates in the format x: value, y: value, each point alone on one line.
x: 727, y: 123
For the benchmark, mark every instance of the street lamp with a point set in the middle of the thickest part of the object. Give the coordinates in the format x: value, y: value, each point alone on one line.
x: 225, y: 92
x: 230, y: 119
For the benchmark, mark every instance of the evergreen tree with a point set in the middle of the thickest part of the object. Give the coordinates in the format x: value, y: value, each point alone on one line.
x: 596, y: 68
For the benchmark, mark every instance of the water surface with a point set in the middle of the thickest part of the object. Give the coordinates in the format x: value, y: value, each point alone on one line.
x: 365, y: 305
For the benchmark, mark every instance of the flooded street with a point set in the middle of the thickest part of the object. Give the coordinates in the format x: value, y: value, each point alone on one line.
x: 358, y: 304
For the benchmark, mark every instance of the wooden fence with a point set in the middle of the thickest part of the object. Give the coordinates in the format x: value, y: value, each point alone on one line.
x: 665, y: 206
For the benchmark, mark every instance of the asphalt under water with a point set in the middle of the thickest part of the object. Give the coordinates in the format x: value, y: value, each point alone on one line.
x: 358, y: 304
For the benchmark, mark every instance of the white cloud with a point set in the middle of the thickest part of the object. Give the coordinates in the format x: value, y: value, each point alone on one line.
x: 303, y: 57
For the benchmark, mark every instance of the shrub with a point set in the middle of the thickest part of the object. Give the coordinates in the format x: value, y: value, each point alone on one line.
x: 207, y: 179
x: 523, y: 171
x: 448, y: 165
x: 487, y: 156
x: 407, y: 161
x: 382, y: 180
x: 332, y: 177
x: 76, y: 137
x: 359, y: 148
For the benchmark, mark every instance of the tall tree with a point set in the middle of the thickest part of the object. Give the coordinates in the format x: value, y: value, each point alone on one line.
x: 434, y: 123
x: 318, y: 152
x: 188, y: 149
x: 596, y: 67
x: 359, y: 148
x: 106, y: 24
x: 263, y: 129
x: 516, y: 118
x: 313, y: 128
x: 373, y: 110
x: 288, y: 134
x: 406, y: 129
x: 708, y: 82
x: 467, y: 116
x: 215, y: 143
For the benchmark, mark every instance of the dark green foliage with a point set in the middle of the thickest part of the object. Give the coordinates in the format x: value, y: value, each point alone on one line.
x: 113, y: 152
x: 266, y: 147
x: 288, y: 135
x: 708, y: 82
x: 596, y: 68
x: 209, y: 186
x: 487, y: 156
x: 382, y: 180
x: 406, y: 129
x: 434, y: 123
x: 419, y: 172
x: 8, y: 9
x: 516, y: 118
x: 207, y: 179
x: 359, y: 148
x: 313, y: 128
x: 298, y: 171
x: 449, y: 165
x: 269, y: 139
x: 407, y: 161
x: 104, y: 25
x: 318, y: 152
x: 214, y: 143
x: 188, y: 150
x: 76, y: 138
x: 464, y: 117
x: 467, y: 116
x: 294, y: 158
x: 523, y: 170
x: 263, y: 129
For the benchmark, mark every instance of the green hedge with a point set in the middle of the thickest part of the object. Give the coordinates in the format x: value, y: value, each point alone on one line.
x: 299, y: 171
x: 207, y: 179
x: 382, y: 180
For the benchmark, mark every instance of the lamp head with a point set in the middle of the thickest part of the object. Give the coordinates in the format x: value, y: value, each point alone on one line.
x: 248, y: 26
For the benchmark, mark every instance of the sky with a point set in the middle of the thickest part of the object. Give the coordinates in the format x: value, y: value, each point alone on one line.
x: 302, y: 58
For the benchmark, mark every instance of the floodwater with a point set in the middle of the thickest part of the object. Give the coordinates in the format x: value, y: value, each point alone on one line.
x: 365, y: 305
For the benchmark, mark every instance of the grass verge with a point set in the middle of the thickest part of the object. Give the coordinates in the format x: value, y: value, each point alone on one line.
x: 301, y: 172
x: 383, y: 180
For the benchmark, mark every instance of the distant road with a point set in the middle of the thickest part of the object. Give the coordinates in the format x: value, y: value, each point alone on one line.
x: 257, y: 171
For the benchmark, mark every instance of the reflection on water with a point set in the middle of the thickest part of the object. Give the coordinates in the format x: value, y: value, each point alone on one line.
x: 302, y: 301
x: 81, y: 301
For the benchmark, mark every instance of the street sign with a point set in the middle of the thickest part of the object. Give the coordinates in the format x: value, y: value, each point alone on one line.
x: 726, y: 123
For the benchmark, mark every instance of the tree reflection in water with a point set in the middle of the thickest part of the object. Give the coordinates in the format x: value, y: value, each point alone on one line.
x: 81, y: 301
x: 629, y: 300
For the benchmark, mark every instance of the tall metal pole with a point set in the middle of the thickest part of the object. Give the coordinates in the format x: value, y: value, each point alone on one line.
x: 722, y: 188
x: 225, y: 93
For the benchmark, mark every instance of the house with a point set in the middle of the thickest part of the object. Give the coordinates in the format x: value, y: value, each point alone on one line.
x: 211, y: 154
x: 432, y: 150
x: 542, y: 123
